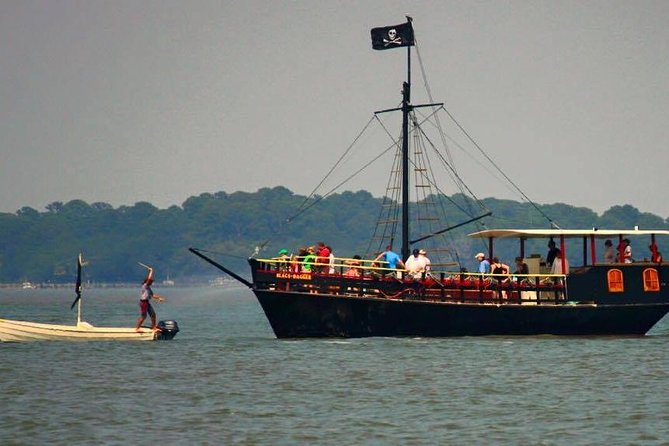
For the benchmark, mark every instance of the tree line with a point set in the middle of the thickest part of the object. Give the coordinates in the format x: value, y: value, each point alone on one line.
x: 43, y: 246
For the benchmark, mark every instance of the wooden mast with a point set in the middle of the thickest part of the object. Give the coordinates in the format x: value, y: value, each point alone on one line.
x: 406, y: 109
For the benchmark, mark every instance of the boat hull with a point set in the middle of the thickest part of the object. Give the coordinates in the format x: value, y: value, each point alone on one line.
x: 21, y: 331
x: 296, y: 315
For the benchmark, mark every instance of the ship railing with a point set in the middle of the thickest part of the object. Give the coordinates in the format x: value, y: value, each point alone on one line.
x: 366, y: 277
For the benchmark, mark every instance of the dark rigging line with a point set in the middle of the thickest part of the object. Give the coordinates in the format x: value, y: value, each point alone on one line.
x: 427, y: 88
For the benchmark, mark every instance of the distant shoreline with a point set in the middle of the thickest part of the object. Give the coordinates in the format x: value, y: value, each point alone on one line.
x: 89, y: 285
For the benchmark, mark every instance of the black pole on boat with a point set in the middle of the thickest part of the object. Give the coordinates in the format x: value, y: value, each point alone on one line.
x: 406, y: 109
x: 221, y: 267
x: 405, y: 170
x: 77, y: 286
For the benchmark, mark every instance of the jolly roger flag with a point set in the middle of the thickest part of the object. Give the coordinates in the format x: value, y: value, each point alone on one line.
x: 388, y: 37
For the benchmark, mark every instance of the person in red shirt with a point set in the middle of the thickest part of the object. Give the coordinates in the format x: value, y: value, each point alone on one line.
x: 323, y: 257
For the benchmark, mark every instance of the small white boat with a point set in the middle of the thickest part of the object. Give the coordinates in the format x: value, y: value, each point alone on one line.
x: 13, y: 331
x: 27, y: 286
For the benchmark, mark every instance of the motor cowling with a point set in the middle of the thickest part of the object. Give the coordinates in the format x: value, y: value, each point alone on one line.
x: 168, y: 329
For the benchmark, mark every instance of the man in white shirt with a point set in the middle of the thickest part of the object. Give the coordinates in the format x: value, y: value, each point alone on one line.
x: 417, y: 264
x: 557, y: 264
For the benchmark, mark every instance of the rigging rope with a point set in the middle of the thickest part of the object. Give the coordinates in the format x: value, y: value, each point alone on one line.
x: 464, y: 132
x: 446, y: 159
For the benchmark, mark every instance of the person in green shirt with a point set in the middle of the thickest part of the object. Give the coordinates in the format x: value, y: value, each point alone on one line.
x: 309, y: 260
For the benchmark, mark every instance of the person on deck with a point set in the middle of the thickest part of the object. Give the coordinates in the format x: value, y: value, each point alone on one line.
x: 296, y: 265
x: 497, y: 268
x: 282, y: 260
x: 557, y: 264
x: 521, y: 267
x: 655, y: 255
x: 392, y: 259
x: 417, y: 264
x: 422, y: 254
x: 331, y: 261
x: 411, y: 263
x: 658, y: 257
x: 522, y: 270
x: 484, y: 265
x: 145, y: 303
x: 323, y: 257
x: 309, y: 260
x: 609, y: 252
x: 627, y: 251
x: 353, y: 267
x: 552, y: 252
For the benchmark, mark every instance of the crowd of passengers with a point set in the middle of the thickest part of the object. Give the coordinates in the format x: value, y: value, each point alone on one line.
x: 320, y: 258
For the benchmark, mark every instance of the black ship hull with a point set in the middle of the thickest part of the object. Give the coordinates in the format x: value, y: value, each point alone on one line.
x: 300, y: 315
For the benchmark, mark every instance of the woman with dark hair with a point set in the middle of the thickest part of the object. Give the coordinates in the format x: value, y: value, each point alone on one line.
x: 497, y: 269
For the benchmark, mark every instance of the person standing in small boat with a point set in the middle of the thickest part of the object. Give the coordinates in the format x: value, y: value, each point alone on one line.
x: 145, y: 302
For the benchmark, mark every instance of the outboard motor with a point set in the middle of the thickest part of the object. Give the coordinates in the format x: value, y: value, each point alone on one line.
x: 168, y: 330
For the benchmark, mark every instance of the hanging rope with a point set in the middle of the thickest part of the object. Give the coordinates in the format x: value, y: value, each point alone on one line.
x: 483, y: 153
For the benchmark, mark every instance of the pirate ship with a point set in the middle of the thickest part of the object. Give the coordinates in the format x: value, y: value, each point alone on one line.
x: 350, y: 297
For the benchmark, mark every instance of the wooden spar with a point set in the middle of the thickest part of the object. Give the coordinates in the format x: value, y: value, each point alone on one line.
x: 450, y: 228
x: 221, y: 267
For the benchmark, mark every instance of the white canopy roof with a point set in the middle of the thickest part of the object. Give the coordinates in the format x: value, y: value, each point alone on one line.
x: 569, y: 233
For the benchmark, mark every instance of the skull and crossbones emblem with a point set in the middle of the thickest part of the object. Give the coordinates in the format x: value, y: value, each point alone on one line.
x: 392, y: 38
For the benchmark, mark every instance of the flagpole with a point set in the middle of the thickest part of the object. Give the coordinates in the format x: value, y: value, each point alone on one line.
x: 410, y: 22
x: 405, y: 170
x: 406, y: 108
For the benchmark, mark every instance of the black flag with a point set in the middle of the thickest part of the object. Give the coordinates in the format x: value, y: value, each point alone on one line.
x: 77, y: 286
x: 388, y: 37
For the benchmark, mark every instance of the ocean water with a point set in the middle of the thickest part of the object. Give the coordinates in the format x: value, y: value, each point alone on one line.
x: 225, y: 379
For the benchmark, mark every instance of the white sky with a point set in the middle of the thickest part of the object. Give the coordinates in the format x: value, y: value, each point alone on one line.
x: 126, y: 101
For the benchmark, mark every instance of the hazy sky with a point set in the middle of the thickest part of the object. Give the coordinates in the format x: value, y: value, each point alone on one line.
x: 126, y: 101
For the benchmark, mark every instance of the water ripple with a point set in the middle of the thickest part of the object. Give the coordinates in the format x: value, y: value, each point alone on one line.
x: 226, y: 380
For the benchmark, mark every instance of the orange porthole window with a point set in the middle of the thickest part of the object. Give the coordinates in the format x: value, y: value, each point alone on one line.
x: 615, y: 281
x: 651, y: 282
